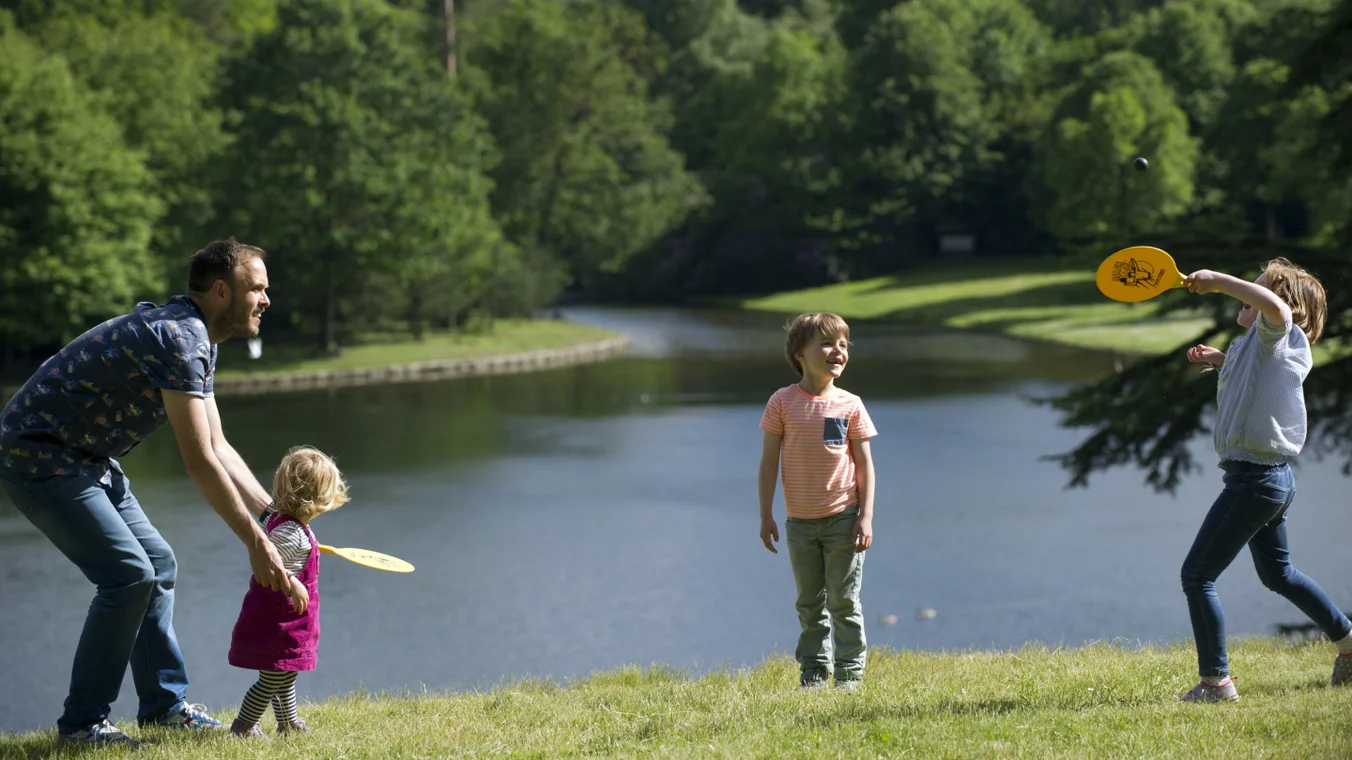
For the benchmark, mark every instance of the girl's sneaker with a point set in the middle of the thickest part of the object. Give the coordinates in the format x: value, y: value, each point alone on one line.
x: 296, y: 727
x: 1342, y: 669
x: 101, y: 734
x: 1205, y: 692
x: 246, y: 730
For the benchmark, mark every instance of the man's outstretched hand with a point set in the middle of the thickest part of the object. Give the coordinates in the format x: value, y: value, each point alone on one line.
x: 267, y: 567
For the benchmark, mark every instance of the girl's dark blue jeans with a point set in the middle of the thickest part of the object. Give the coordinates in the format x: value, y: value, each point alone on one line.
x: 1250, y: 510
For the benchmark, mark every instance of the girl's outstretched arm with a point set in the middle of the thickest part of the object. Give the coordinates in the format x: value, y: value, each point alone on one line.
x: 1273, y: 308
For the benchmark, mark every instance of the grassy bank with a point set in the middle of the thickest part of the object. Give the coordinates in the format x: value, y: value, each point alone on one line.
x: 1033, y: 298
x: 504, y: 337
x: 1096, y: 702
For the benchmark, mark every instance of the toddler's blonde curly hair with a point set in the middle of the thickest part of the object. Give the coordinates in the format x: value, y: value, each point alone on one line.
x: 307, y: 483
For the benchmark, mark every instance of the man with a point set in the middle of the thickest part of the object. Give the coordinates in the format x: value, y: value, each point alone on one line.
x: 60, y: 436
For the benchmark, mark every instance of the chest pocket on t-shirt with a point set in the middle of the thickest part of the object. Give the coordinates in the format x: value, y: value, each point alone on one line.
x: 833, y: 433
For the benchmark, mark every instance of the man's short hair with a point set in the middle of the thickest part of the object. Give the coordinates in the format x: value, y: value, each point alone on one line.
x: 218, y: 261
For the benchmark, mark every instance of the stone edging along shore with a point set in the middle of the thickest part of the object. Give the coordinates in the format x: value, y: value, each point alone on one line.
x: 440, y: 369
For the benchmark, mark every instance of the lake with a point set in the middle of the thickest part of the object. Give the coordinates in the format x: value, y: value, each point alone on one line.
x: 598, y: 516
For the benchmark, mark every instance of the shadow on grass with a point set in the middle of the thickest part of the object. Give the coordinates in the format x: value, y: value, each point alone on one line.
x: 947, y: 706
x: 951, y: 271
x: 1071, y: 294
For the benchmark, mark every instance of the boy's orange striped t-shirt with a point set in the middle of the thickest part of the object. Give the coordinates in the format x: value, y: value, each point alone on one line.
x: 818, y: 468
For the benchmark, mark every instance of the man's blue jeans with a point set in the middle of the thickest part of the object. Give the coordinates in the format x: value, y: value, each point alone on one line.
x: 1250, y: 510
x: 100, y: 527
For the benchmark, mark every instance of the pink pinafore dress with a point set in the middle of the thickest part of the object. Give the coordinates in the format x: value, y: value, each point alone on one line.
x: 269, y: 634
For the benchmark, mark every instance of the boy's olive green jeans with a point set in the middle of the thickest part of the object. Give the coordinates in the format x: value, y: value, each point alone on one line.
x: 828, y: 573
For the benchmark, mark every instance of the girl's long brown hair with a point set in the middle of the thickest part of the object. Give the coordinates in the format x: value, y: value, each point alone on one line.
x: 1301, y: 291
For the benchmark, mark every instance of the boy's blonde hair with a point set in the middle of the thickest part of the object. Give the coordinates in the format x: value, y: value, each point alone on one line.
x: 307, y: 483
x: 1301, y: 291
x: 805, y: 327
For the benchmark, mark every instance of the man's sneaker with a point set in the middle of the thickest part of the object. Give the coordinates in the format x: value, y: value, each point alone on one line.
x: 184, y: 715
x: 246, y: 730
x: 812, y: 680
x: 849, y: 684
x: 1342, y: 669
x: 1205, y: 692
x: 100, y: 734
x: 295, y: 727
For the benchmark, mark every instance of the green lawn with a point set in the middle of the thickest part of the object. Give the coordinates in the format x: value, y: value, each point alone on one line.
x: 505, y: 337
x: 1096, y: 702
x: 1034, y: 298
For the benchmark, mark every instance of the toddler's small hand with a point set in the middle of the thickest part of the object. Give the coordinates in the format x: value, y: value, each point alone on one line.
x: 300, y: 598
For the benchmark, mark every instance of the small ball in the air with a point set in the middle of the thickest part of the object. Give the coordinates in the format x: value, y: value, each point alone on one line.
x: 1141, y: 164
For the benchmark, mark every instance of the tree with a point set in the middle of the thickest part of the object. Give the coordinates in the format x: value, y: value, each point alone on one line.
x: 587, y: 176
x: 76, y: 211
x: 1191, y: 43
x: 1327, y: 62
x: 1242, y: 190
x: 854, y: 18
x: 355, y: 155
x: 29, y: 14
x: 440, y: 210
x: 941, y: 90
x: 157, y: 75
x: 702, y: 44
x: 233, y: 23
x: 917, y: 119
x: 1070, y: 17
x: 1082, y: 183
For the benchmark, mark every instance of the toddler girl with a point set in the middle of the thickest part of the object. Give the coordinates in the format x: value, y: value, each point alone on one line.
x: 277, y: 633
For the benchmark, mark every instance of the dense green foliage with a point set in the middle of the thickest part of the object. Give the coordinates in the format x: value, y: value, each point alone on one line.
x: 637, y: 148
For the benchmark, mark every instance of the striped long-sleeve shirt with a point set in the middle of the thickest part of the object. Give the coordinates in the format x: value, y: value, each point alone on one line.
x: 292, y: 543
x: 1260, y: 398
x: 818, y: 468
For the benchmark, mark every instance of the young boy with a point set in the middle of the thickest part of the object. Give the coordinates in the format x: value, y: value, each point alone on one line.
x: 821, y: 434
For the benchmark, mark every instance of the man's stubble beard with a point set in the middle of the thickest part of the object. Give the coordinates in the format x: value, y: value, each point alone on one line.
x: 237, y: 322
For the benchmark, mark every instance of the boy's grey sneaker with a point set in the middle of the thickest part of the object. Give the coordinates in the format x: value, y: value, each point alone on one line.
x: 184, y: 715
x: 1342, y: 669
x: 101, y: 734
x: 1205, y: 692
x: 849, y: 684
x: 812, y: 681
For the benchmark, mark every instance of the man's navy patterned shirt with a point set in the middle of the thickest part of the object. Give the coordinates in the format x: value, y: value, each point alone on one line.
x: 99, y: 396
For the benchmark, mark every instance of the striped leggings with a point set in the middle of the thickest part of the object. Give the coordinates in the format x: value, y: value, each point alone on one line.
x: 277, y: 687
